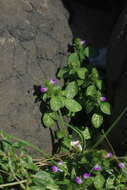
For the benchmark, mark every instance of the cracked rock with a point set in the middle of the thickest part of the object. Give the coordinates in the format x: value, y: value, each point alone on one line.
x: 34, y: 38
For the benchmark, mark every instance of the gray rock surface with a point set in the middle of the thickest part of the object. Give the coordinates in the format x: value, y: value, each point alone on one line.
x: 34, y: 37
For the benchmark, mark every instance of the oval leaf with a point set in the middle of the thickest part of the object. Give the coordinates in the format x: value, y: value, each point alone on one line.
x: 60, y: 134
x: 95, y: 74
x: 99, y: 181
x: 72, y: 105
x: 55, y: 103
x: 97, y: 120
x: 87, y: 51
x: 86, y: 134
x: 73, y: 60
x: 99, y: 84
x: 71, y: 90
x: 81, y: 72
x: 105, y: 108
x: 91, y: 91
x: 48, y: 121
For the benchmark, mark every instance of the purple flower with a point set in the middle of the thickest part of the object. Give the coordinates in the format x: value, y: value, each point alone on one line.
x: 103, y: 99
x: 83, y: 42
x: 78, y: 180
x: 53, y: 81
x: 121, y: 165
x: 109, y: 155
x: 43, y: 89
x: 54, y: 168
x: 86, y: 175
x: 97, y: 167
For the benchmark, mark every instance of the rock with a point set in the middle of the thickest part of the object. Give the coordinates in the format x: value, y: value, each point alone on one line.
x: 34, y: 38
x: 92, y: 21
x: 117, y: 80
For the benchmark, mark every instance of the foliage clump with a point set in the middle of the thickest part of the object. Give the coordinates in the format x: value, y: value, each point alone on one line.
x: 76, y: 112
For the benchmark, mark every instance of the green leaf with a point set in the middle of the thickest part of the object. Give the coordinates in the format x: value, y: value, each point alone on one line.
x: 44, y: 97
x: 1, y: 179
x: 80, y: 82
x: 55, y: 90
x: 89, y: 106
x: 99, y: 84
x: 105, y: 108
x: 81, y: 72
x: 86, y: 134
x: 61, y: 73
x: 55, y: 103
x: 27, y: 162
x: 72, y: 105
x: 71, y: 90
x: 110, y: 183
x: 60, y: 134
x: 97, y: 120
x: 94, y: 74
x: 91, y: 91
x: 99, y: 182
x: 87, y: 52
x: 20, y: 144
x: 73, y: 173
x: 53, y: 115
x: 67, y: 142
x: 48, y: 121
x: 73, y: 60
x: 43, y: 179
x: 82, y: 54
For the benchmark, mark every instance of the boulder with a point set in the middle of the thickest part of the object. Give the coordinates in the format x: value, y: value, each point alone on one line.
x: 34, y: 38
x: 117, y: 80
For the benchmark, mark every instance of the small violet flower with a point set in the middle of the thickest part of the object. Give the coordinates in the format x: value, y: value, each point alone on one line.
x: 54, y: 169
x: 53, y: 81
x: 109, y: 155
x: 121, y: 165
x: 97, y: 167
x: 103, y: 99
x: 86, y: 175
x: 43, y: 89
x: 83, y: 42
x: 78, y: 180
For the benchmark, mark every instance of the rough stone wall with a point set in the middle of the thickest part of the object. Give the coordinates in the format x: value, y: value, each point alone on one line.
x: 34, y: 37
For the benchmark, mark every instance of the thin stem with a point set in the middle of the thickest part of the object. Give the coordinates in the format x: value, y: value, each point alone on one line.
x: 108, y: 142
x: 110, y: 128
x: 13, y: 183
x: 112, y: 149
x: 21, y: 184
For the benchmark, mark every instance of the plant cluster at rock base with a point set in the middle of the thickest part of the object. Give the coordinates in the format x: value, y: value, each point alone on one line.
x: 76, y: 164
x: 80, y: 100
x: 88, y: 170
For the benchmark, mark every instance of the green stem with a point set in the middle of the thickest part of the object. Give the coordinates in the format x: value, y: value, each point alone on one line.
x: 12, y: 184
x: 21, y: 184
x: 112, y: 149
x: 108, y: 142
x: 110, y: 128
